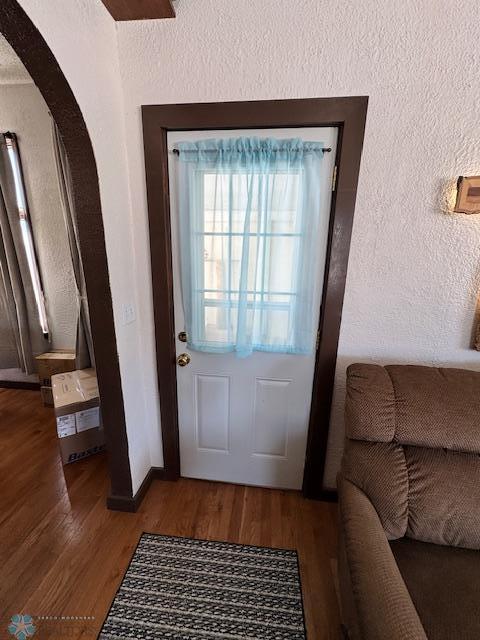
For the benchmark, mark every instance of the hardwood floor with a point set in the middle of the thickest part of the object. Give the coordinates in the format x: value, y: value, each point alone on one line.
x: 62, y: 553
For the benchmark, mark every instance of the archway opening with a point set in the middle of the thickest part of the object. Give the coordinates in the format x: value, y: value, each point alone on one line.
x: 38, y: 59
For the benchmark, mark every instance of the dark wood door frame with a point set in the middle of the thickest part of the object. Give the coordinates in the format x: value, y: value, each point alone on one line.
x: 349, y: 115
x: 40, y: 62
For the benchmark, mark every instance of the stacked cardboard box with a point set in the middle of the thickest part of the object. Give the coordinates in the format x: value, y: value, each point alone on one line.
x: 47, y: 396
x: 49, y: 364
x: 77, y: 409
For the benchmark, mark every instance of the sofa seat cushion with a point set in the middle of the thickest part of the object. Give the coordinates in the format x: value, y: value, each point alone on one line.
x: 444, y: 584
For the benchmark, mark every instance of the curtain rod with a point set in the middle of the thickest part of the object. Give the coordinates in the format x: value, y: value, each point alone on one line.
x: 177, y: 151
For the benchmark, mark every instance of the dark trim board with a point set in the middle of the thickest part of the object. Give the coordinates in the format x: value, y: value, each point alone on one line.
x: 328, y: 495
x: 140, y: 9
x: 131, y: 504
x: 40, y: 62
x: 19, y: 384
x: 349, y: 115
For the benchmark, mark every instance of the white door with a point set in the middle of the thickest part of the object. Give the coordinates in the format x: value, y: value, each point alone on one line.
x: 245, y: 420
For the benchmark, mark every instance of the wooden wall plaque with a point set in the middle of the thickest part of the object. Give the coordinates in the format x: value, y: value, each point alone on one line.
x: 468, y: 195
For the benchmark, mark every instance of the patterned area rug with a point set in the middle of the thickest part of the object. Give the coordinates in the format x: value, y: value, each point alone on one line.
x: 185, y: 589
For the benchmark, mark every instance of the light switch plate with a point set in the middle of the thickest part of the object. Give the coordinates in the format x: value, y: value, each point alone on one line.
x: 128, y: 313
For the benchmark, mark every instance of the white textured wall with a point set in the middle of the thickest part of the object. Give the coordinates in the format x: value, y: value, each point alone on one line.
x: 12, y: 70
x: 414, y: 271
x: 82, y: 36
x: 24, y: 112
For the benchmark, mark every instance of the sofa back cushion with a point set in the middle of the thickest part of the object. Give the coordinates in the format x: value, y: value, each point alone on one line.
x: 443, y: 496
x: 413, y: 445
x: 408, y: 404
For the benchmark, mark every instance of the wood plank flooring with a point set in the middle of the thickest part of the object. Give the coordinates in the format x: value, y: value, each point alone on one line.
x: 63, y: 554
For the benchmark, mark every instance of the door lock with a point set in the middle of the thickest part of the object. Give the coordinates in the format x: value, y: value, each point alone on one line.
x: 182, y: 336
x: 183, y: 359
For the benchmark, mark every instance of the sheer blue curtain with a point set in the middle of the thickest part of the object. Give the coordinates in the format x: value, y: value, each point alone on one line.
x: 249, y: 213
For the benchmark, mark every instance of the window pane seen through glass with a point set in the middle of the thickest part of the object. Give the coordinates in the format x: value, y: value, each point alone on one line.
x: 238, y: 239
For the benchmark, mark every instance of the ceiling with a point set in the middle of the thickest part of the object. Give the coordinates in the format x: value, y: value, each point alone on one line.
x: 12, y: 70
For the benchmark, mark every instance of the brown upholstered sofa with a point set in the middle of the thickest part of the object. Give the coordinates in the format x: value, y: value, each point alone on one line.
x: 409, y: 499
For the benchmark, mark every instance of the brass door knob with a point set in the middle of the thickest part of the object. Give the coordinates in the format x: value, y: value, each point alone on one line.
x: 183, y: 359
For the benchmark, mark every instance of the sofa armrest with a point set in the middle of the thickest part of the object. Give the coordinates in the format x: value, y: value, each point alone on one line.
x: 383, y: 606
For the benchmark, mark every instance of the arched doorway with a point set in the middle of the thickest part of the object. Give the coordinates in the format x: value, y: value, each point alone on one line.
x: 40, y: 62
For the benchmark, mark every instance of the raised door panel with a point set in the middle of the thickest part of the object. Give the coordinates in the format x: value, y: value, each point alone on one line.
x: 212, y: 412
x: 270, y: 425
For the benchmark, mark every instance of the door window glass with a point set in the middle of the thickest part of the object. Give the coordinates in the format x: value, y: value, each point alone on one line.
x: 249, y: 215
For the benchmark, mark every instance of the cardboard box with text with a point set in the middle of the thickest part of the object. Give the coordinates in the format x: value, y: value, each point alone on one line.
x: 77, y: 409
x: 48, y: 364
